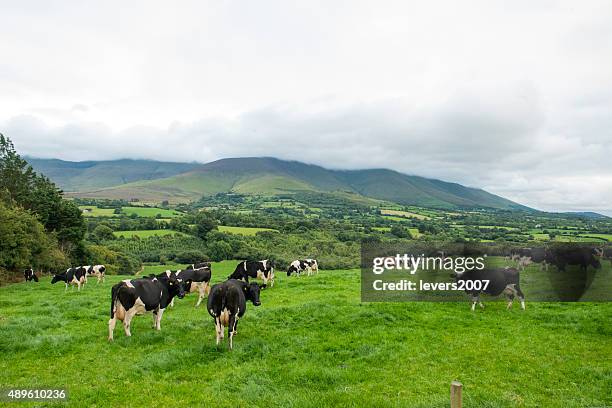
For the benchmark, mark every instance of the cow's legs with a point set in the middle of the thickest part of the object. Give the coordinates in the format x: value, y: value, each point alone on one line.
x: 159, y: 315
x: 111, y: 327
x: 474, y: 301
x: 218, y: 329
x: 127, y: 320
x: 154, y: 314
x: 66, y: 288
x: 201, y: 293
x: 510, y: 297
x: 230, y: 329
x: 521, y: 296
x: 172, y: 303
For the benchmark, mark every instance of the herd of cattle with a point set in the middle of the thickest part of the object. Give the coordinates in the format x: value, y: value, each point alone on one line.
x: 154, y: 293
x: 227, y: 300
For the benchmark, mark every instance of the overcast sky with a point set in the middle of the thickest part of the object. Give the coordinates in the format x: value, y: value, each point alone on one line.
x: 511, y: 96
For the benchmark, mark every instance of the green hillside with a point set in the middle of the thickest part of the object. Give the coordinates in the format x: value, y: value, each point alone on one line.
x: 88, y: 175
x: 269, y: 176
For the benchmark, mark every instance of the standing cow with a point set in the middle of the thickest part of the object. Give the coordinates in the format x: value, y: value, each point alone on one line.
x: 263, y: 270
x: 298, y: 266
x: 72, y: 276
x: 500, y: 280
x: 29, y: 275
x: 227, y: 303
x: 95, y: 270
x: 137, y: 296
x: 199, y: 275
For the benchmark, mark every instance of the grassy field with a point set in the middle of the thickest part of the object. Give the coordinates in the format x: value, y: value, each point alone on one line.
x: 404, y: 214
x: 146, y: 233
x: 150, y: 212
x: 93, y: 211
x: 242, y: 230
x: 312, y: 343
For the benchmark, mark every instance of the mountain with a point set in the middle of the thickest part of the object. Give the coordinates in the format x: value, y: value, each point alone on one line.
x: 91, y: 175
x: 261, y: 176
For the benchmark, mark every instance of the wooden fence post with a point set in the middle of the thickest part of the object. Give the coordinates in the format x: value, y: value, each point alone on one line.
x: 455, y: 394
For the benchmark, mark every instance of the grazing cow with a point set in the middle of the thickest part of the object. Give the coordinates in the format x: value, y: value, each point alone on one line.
x: 501, y: 280
x: 298, y: 266
x: 227, y: 303
x: 254, y: 269
x: 582, y: 256
x: 137, y: 296
x: 607, y: 254
x: 95, y: 270
x: 72, y: 276
x: 199, y: 275
x: 29, y: 275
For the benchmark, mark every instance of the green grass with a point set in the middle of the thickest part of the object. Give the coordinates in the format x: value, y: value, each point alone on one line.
x: 93, y: 211
x: 146, y: 233
x: 404, y: 214
x: 312, y: 343
x: 243, y: 230
x: 150, y: 212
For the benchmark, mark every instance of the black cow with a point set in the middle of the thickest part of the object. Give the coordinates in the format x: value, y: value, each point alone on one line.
x: 95, y: 270
x: 500, y: 280
x: 72, y: 276
x: 309, y: 265
x: 29, y: 275
x: 227, y: 303
x: 582, y: 256
x: 254, y: 269
x: 199, y: 275
x: 137, y: 296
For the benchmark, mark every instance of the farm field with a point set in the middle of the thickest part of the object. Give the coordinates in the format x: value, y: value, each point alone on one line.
x: 150, y: 212
x: 404, y: 214
x: 93, y: 211
x: 147, y: 233
x: 243, y: 230
x: 312, y: 343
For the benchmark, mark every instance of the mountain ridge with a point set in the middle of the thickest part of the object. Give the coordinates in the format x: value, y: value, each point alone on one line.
x: 182, y: 182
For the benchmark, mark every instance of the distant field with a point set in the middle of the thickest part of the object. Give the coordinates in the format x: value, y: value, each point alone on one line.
x: 404, y: 214
x: 146, y: 233
x: 242, y: 230
x: 150, y: 212
x: 93, y: 211
x: 606, y: 237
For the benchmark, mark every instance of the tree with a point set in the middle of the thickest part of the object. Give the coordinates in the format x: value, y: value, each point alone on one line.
x: 401, y: 232
x: 204, y: 223
x: 102, y: 233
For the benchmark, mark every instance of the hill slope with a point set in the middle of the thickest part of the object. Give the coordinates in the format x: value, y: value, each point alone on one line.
x: 269, y: 176
x: 89, y: 175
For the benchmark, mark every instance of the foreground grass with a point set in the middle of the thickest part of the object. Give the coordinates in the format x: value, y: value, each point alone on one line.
x: 311, y: 343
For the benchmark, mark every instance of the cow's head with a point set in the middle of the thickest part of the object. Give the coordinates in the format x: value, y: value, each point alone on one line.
x: 251, y: 292
x: 57, y: 278
x: 291, y: 270
x: 176, y: 287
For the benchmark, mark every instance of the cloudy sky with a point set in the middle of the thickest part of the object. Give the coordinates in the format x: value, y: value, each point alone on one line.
x: 511, y: 96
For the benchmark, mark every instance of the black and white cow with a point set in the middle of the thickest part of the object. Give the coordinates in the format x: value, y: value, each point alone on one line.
x: 95, y: 270
x: 72, y: 276
x: 199, y: 275
x: 29, y: 275
x: 227, y: 303
x: 500, y: 280
x: 254, y: 269
x: 137, y: 296
x: 582, y: 256
x: 298, y: 266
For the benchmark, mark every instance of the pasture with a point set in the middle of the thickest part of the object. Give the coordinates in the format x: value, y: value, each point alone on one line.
x: 312, y: 343
x: 147, y: 233
x: 150, y: 212
x: 250, y: 231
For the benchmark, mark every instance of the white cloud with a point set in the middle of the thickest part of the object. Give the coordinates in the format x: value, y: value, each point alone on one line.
x: 512, y: 97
